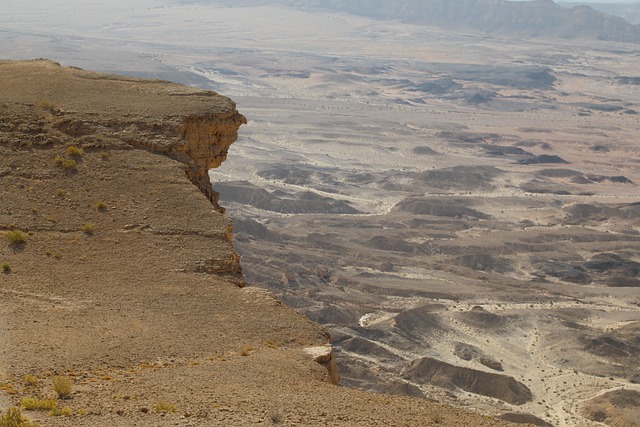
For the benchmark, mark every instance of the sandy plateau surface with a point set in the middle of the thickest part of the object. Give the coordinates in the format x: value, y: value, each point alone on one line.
x: 461, y: 212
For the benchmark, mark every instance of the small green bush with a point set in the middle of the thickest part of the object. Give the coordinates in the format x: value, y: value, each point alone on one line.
x: 31, y: 380
x: 88, y: 228
x: 65, y: 164
x: 61, y: 412
x: 74, y: 151
x: 101, y: 206
x: 69, y: 164
x: 16, y: 237
x: 31, y: 404
x: 8, y: 388
x: 62, y: 386
x: 13, y: 418
x: 6, y: 267
x: 165, y: 407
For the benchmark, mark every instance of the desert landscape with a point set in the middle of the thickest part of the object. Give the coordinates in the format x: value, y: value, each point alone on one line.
x: 459, y: 209
x: 123, y: 301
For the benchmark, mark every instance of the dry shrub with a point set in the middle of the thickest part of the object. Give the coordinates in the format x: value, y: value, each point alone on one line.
x: 13, y: 418
x: 32, y: 404
x: 15, y: 237
x: 63, y: 386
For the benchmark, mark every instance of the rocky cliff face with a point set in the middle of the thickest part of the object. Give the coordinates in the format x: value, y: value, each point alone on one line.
x: 196, y: 128
x: 206, y: 141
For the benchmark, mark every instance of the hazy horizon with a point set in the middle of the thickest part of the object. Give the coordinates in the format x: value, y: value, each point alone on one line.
x: 594, y: 1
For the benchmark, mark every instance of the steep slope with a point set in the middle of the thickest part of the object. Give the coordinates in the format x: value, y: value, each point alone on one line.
x: 120, y: 275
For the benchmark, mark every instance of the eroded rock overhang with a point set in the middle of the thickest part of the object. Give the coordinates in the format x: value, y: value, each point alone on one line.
x: 105, y: 111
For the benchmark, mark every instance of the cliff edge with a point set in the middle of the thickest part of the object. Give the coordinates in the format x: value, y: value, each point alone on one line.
x: 119, y: 277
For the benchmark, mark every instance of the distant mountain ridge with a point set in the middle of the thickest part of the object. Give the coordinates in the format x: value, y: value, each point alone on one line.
x: 628, y: 11
x: 538, y: 18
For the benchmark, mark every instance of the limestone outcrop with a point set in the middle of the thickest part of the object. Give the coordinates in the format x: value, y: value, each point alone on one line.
x: 196, y: 127
x: 324, y: 355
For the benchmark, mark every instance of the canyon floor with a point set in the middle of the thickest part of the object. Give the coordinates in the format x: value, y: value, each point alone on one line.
x: 493, y: 240
x: 460, y: 211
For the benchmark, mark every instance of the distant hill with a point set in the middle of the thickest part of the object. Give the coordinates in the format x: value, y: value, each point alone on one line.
x: 539, y: 18
x: 628, y: 11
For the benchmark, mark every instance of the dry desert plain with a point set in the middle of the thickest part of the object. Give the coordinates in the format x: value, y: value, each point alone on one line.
x: 460, y: 211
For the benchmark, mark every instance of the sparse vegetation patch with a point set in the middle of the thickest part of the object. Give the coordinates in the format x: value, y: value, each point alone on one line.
x: 13, y: 418
x: 16, y: 237
x: 165, y: 407
x: 88, y: 228
x: 63, y: 386
x: 32, y: 404
x: 61, y: 412
x: 69, y: 165
x: 6, y: 267
x: 8, y: 388
x: 74, y: 151
x: 65, y: 164
x: 31, y: 380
